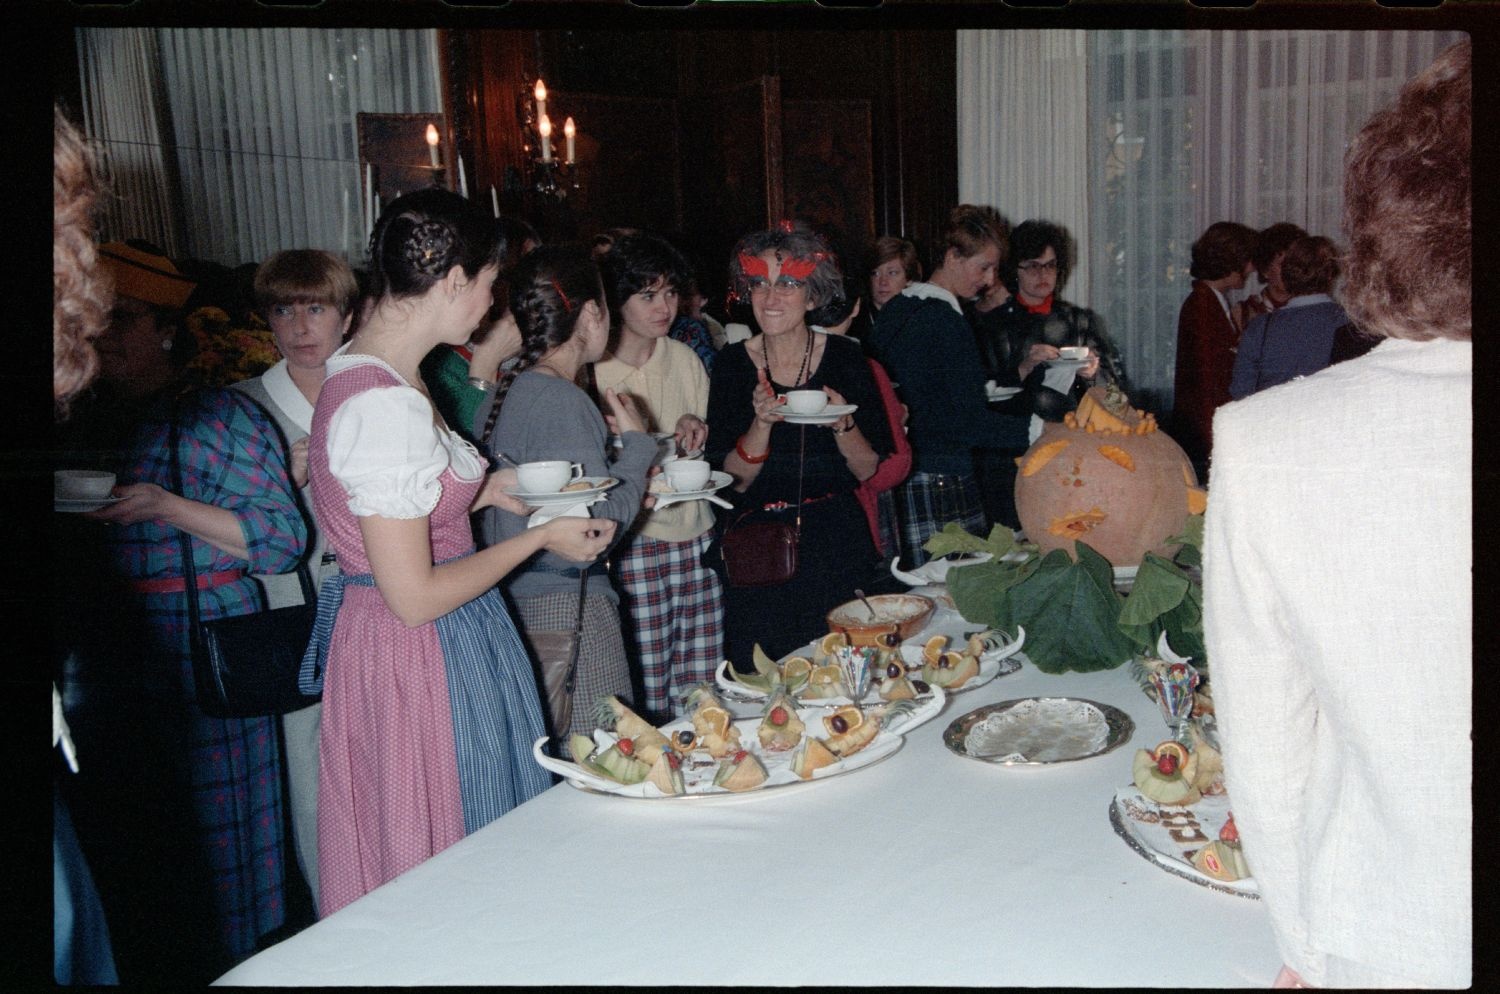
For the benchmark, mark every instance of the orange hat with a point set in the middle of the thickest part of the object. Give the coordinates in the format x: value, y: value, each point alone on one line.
x: 145, y: 275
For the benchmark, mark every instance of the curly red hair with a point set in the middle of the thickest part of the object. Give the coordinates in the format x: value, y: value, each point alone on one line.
x: 1407, y: 197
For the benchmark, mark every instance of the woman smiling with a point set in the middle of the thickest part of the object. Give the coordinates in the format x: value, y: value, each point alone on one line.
x: 801, y: 475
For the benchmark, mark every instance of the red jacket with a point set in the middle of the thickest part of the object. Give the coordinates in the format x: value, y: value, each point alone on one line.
x: 894, y: 468
x: 1206, y: 342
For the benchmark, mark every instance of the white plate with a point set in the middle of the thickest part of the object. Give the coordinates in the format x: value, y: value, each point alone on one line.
x: 598, y: 484
x: 1137, y: 819
x: 1000, y: 393
x: 70, y: 505
x: 698, y: 771
x: 826, y: 416
x: 1068, y: 363
x: 716, y: 481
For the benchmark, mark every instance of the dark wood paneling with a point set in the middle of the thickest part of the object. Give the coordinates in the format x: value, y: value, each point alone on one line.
x: 829, y: 184
x: 726, y: 128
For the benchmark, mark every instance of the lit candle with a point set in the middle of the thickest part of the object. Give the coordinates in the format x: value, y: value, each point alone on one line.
x: 541, y: 99
x: 463, y: 181
x: 494, y: 200
x: 545, y: 130
x: 432, y: 143
x: 568, y: 132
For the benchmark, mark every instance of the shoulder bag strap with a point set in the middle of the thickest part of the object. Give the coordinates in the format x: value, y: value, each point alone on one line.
x: 184, y: 540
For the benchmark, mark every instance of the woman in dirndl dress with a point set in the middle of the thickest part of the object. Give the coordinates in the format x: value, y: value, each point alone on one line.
x: 430, y: 706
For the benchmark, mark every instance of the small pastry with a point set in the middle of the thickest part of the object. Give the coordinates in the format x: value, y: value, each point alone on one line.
x: 742, y: 771
x: 1166, y: 774
x: 666, y: 774
x: 780, y: 728
x: 811, y: 755
x: 849, y: 730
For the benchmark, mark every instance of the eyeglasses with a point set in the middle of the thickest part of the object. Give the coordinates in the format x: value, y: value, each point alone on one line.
x: 1050, y: 266
x: 785, y: 286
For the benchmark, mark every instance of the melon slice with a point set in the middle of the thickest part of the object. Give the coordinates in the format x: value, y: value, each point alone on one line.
x: 811, y: 755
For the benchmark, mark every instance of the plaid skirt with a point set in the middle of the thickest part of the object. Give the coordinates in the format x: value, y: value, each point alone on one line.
x: 928, y: 501
x: 675, y: 609
x: 602, y: 666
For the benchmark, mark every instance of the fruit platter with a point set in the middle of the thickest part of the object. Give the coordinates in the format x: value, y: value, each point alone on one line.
x: 709, y: 753
x: 830, y: 671
x: 1197, y: 842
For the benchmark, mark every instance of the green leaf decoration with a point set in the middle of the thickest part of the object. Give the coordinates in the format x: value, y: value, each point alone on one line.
x: 1192, y: 535
x: 1071, y: 614
x: 1165, y: 599
x: 953, y: 538
x: 979, y: 591
x: 1159, y: 587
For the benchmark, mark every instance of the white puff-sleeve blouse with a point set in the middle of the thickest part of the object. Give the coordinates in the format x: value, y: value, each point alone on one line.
x: 388, y: 453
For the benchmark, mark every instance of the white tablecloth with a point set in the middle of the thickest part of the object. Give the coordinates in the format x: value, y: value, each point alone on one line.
x: 925, y: 869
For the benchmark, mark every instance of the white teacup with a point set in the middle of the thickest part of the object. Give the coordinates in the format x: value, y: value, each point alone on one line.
x: 82, y: 484
x: 687, y: 474
x: 806, y: 401
x: 1073, y: 352
x: 546, y: 477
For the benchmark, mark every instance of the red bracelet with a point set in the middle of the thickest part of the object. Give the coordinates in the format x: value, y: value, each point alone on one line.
x: 739, y: 446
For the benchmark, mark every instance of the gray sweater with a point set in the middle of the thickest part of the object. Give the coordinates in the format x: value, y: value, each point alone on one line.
x: 548, y: 418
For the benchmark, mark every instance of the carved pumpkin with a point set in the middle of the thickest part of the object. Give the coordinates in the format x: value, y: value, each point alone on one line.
x: 1106, y: 475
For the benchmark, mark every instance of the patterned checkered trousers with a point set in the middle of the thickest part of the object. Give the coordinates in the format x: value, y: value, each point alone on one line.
x: 928, y: 501
x: 676, y: 609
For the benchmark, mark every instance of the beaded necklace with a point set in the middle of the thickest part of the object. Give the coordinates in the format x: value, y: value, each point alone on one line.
x: 806, y: 359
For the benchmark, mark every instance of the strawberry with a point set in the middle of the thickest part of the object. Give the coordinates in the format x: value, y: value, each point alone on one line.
x: 778, y: 715
x: 1229, y: 833
x: 739, y: 757
x: 1167, y: 763
x: 627, y: 747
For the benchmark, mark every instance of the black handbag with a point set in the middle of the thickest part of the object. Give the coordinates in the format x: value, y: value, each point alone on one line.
x: 245, y: 666
x: 763, y: 553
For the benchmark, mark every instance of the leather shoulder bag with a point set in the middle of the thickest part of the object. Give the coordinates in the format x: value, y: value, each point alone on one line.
x: 245, y: 666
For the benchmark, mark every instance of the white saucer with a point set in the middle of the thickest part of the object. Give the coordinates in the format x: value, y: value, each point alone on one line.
x: 599, y: 484
x: 1000, y: 393
x: 1068, y: 363
x: 76, y: 506
x: 826, y: 416
x: 716, y: 481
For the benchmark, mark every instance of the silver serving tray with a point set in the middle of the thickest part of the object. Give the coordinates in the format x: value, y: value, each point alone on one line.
x: 1119, y: 725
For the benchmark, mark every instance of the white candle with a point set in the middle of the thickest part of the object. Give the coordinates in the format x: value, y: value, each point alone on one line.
x: 432, y: 144
x: 568, y: 132
x: 366, y: 203
x: 545, y: 129
x: 463, y: 181
x: 494, y: 200
x: 541, y: 99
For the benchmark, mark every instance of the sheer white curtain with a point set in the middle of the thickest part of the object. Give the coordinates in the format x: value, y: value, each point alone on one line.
x: 253, y: 147
x: 1182, y: 128
x: 125, y: 112
x: 1022, y: 131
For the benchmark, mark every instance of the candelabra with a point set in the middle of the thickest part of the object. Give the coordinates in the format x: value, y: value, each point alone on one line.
x: 551, y: 176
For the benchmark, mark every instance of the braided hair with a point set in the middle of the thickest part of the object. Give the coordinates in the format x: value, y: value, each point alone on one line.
x: 423, y: 235
x: 548, y: 289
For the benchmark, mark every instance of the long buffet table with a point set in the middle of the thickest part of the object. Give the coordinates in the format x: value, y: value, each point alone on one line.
x: 926, y: 868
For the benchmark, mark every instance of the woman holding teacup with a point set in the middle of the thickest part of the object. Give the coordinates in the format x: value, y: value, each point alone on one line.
x: 538, y: 412
x: 799, y: 475
x: 430, y: 707
x: 675, y: 602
